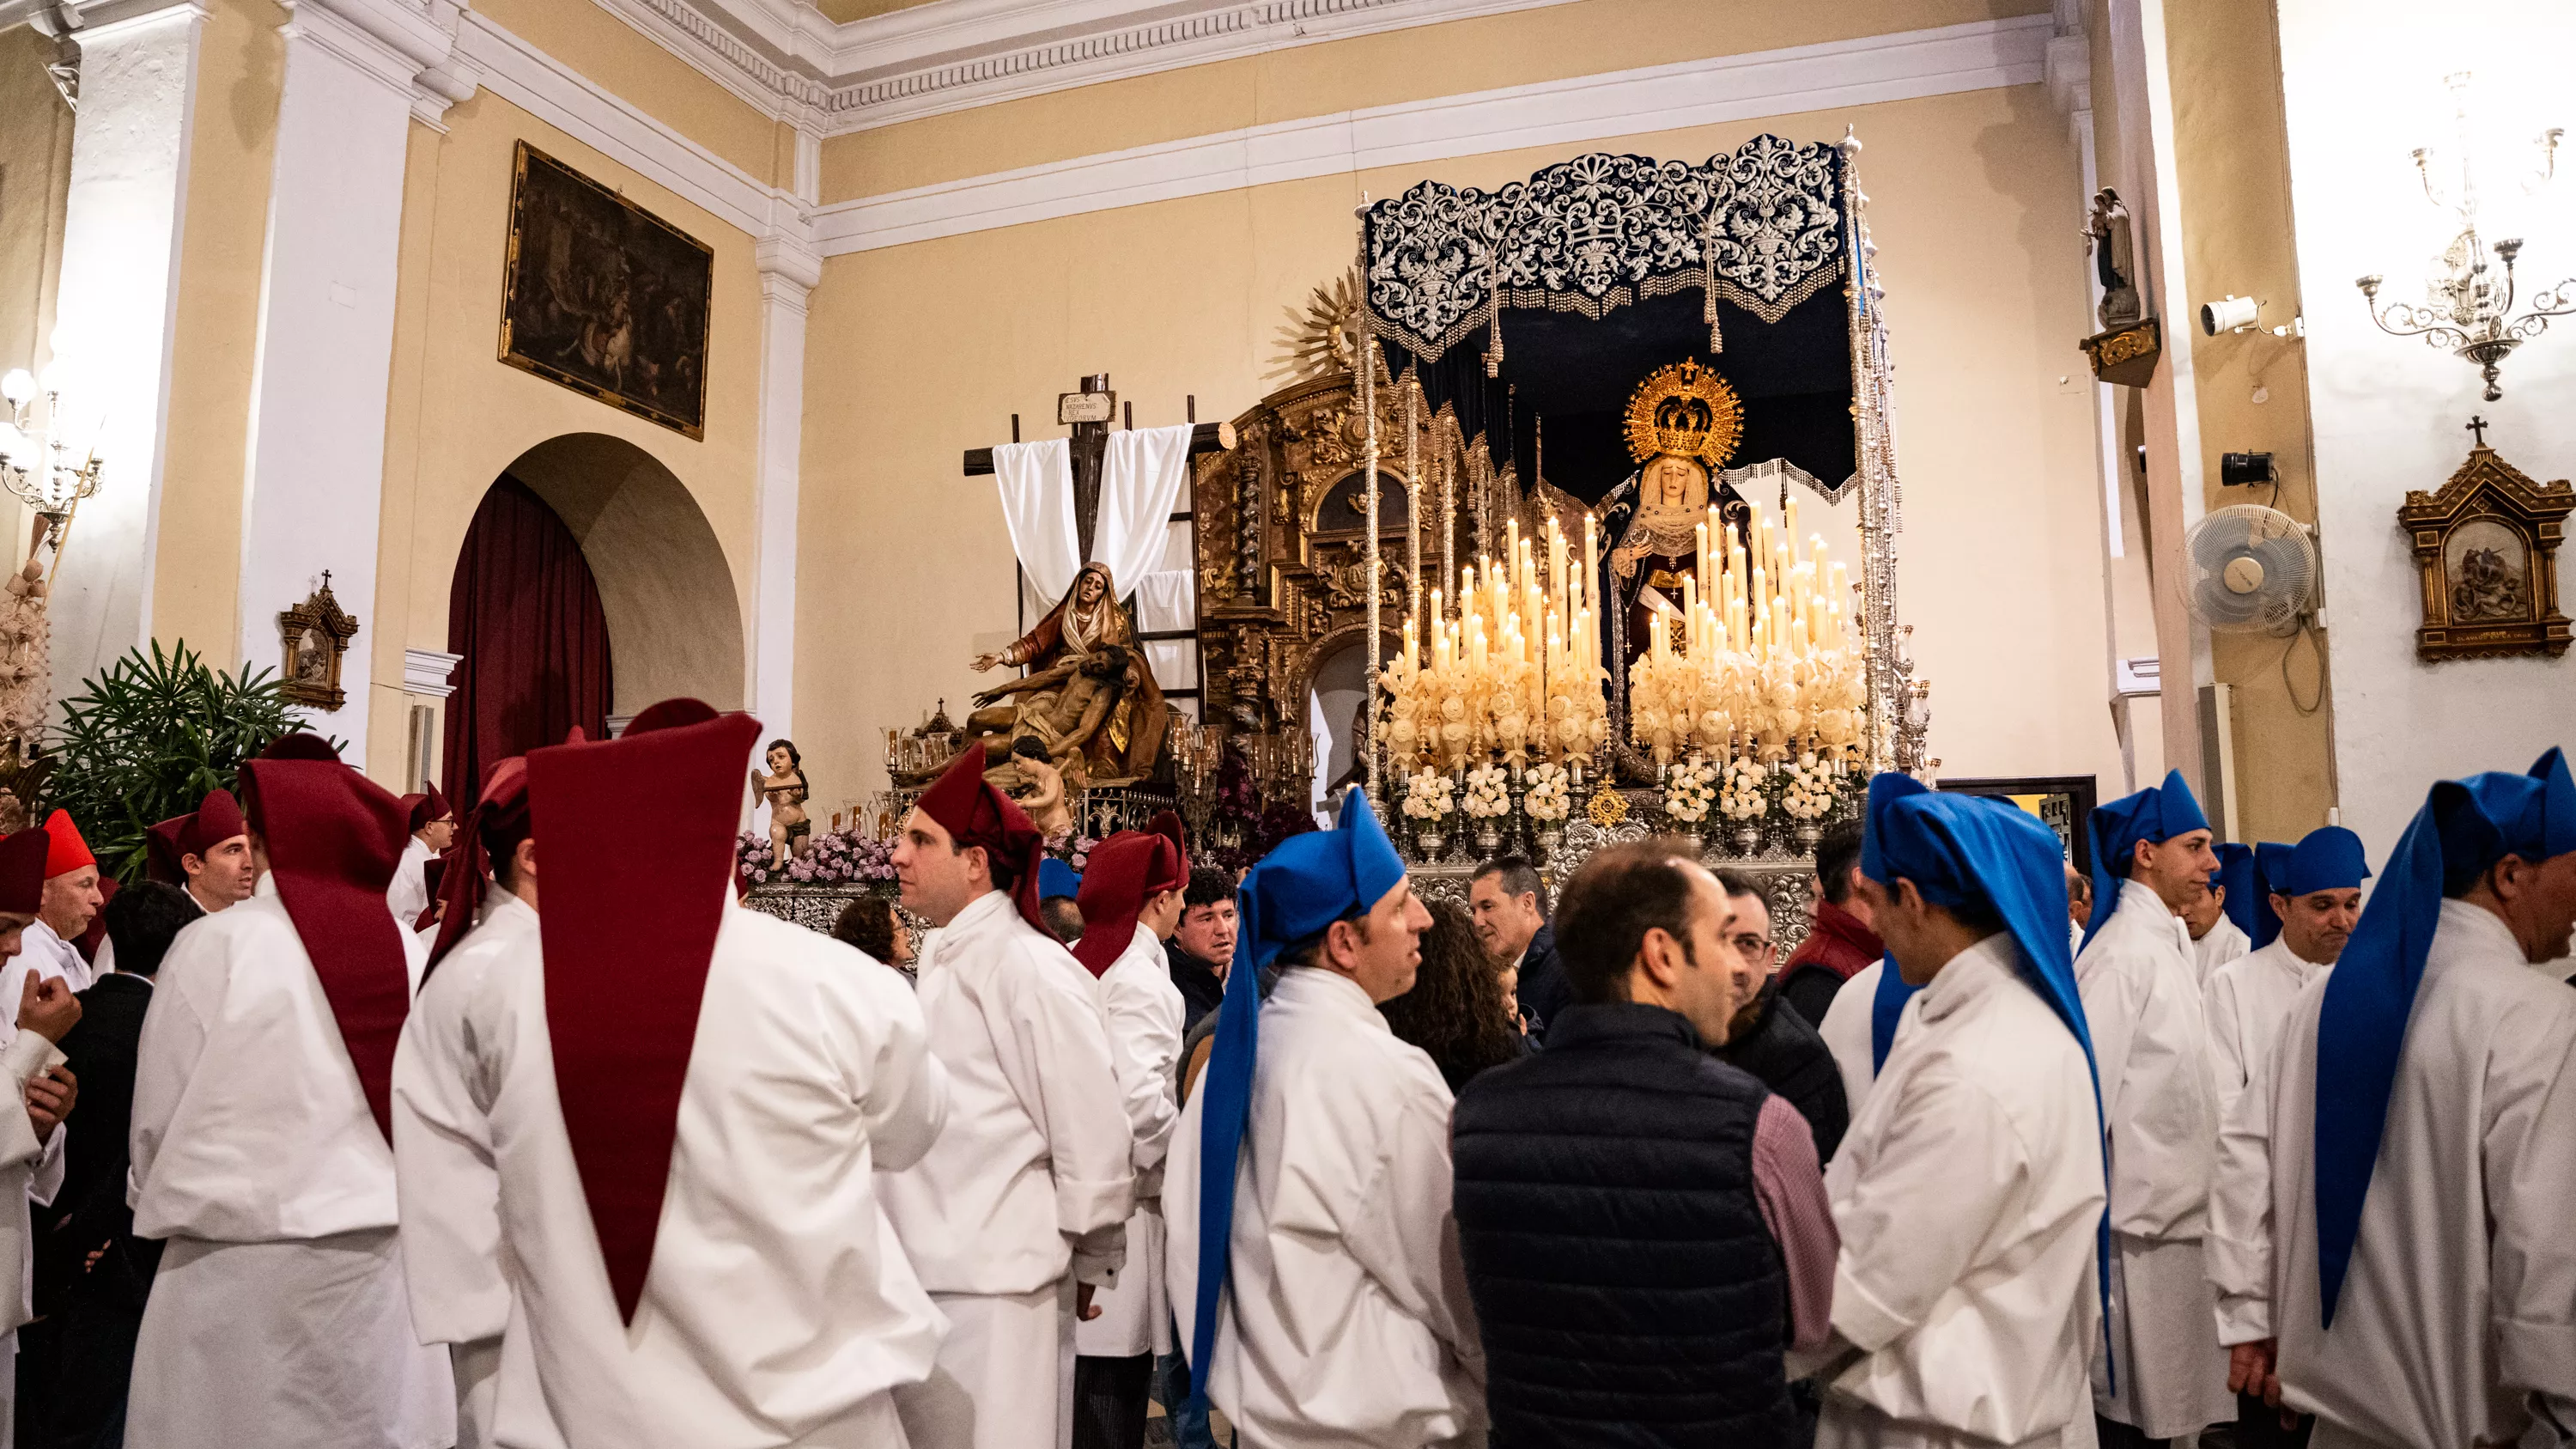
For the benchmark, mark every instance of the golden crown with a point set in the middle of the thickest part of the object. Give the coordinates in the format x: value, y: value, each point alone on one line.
x: 1687, y: 411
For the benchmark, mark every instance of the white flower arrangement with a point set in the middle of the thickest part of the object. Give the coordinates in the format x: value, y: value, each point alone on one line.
x: 1428, y: 795
x: 1489, y: 792
x: 1689, y: 789
x: 1742, y: 797
x: 1550, y: 796
x: 1810, y: 792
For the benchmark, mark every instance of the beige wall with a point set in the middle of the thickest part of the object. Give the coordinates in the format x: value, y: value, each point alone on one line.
x: 459, y: 416
x: 35, y: 170
x: 1557, y: 42
x: 196, y: 594
x: 2233, y: 165
x: 612, y: 55
x: 918, y: 352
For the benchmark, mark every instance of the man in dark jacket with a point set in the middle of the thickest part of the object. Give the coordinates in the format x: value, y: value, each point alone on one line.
x: 1768, y: 1039
x: 1508, y: 903
x: 1202, y: 946
x: 1840, y: 943
x: 96, y: 1271
x: 1644, y: 1228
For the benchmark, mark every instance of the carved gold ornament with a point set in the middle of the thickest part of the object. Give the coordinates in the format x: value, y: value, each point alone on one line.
x: 1607, y: 808
x: 1687, y: 411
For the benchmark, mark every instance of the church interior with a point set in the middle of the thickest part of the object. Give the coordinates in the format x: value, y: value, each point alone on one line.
x: 1561, y: 417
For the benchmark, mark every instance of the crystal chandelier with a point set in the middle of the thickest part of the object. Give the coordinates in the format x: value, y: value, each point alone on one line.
x: 2468, y: 305
x: 42, y: 469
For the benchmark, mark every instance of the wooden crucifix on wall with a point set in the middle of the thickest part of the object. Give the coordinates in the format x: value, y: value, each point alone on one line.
x: 1089, y: 413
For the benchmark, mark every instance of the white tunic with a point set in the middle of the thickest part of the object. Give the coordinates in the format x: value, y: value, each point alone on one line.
x: 2223, y: 942
x: 2151, y: 1043
x: 451, y: 1237
x: 408, y: 896
x: 2460, y: 1301
x: 1968, y: 1193
x: 1345, y: 1320
x: 43, y: 952
x: 1848, y: 1028
x: 1145, y: 1014
x: 1032, y: 1177
x: 279, y: 1317
x: 779, y: 1308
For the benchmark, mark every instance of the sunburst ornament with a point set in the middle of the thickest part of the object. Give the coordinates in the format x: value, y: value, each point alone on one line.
x: 1686, y: 411
x: 1317, y: 340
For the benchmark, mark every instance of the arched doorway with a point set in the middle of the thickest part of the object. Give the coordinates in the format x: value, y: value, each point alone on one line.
x: 589, y: 586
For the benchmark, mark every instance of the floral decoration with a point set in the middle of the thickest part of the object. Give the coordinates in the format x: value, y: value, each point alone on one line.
x: 1690, y: 788
x: 1428, y: 795
x: 1745, y: 794
x: 1810, y: 792
x: 1489, y: 792
x: 1550, y: 795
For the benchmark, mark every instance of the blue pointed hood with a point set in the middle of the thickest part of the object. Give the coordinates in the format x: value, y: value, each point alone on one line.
x: 2153, y: 816
x: 2464, y: 827
x: 1309, y: 882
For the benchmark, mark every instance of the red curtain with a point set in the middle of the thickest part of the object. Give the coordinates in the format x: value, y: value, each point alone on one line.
x: 524, y: 611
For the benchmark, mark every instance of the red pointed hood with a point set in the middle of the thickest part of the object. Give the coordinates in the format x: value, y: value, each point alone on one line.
x: 628, y: 937
x: 333, y: 838
x: 974, y: 812
x: 1127, y: 870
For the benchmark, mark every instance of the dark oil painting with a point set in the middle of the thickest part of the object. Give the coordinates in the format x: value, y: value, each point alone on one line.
x: 604, y: 297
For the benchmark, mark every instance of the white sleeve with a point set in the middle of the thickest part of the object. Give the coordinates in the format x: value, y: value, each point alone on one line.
x: 2529, y: 1155
x: 901, y: 1087
x: 2113, y: 996
x: 2238, y: 1248
x: 1929, y: 1200
x: 1401, y: 1227
x: 1144, y: 1017
x: 24, y: 1057
x: 445, y: 1178
x: 1054, y: 1050
x: 166, y: 1054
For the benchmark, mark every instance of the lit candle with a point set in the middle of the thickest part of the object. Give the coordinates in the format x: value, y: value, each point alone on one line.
x: 1789, y: 521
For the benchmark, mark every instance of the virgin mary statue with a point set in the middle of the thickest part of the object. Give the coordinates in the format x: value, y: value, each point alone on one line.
x: 1682, y: 424
x: 1089, y: 697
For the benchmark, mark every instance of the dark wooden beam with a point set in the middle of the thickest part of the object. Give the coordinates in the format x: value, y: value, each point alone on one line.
x: 1204, y: 438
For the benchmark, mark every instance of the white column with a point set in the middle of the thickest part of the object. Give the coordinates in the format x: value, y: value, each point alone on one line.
x: 789, y: 269
x: 119, y: 286
x: 315, y: 483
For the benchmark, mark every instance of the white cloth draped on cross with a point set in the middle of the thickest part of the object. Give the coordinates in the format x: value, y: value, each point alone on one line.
x: 1142, y: 477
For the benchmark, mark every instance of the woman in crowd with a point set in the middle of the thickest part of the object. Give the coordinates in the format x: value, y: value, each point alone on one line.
x: 1457, y: 1010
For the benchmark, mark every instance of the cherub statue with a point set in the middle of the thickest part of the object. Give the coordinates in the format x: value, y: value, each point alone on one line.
x: 785, y: 789
x: 1045, y: 797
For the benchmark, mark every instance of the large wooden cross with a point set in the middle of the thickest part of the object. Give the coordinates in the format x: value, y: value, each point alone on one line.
x: 1089, y: 413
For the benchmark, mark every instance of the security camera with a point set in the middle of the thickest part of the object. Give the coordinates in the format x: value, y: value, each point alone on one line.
x: 2230, y: 313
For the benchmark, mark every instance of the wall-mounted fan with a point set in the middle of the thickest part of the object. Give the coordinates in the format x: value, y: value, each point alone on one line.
x: 2253, y: 570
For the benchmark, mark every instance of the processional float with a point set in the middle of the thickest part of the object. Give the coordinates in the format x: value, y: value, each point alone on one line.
x: 1578, y: 648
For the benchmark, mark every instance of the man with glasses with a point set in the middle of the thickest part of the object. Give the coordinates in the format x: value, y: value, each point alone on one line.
x: 1777, y: 1046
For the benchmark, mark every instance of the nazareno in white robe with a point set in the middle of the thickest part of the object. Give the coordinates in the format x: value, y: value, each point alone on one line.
x: 408, y: 895
x: 779, y: 1308
x: 1145, y: 1014
x: 1345, y: 1321
x: 1028, y: 1190
x: 2457, y: 1321
x: 2142, y: 1003
x: 451, y: 1237
x: 279, y: 1317
x: 2225, y: 941
x: 1968, y: 1193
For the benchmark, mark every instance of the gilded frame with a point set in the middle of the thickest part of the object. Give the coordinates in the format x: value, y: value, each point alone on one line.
x: 665, y: 270
x: 2515, y: 612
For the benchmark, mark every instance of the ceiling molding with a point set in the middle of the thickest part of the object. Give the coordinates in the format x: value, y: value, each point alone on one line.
x: 789, y: 62
x: 1908, y: 66
x: 553, y: 92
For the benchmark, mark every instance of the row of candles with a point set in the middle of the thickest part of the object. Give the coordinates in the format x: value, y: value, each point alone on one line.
x: 1517, y: 673
x: 1764, y: 664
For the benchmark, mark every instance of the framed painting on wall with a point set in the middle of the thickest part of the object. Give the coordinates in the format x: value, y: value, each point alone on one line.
x: 604, y: 297
x: 2062, y: 802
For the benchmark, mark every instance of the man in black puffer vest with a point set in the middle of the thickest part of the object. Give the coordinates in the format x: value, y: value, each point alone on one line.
x: 1644, y: 1227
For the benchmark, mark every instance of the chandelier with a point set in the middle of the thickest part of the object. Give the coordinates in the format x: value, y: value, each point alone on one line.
x: 2468, y: 306
x: 42, y: 469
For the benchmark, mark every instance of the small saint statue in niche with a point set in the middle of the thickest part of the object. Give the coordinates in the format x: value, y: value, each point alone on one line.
x: 785, y: 789
x: 2114, y: 260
